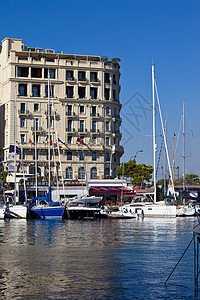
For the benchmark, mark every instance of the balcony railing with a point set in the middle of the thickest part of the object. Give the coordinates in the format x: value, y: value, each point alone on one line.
x: 70, y: 114
x: 94, y: 115
x: 24, y: 112
x: 71, y: 130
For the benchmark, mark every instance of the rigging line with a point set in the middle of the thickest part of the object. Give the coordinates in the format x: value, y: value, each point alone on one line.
x: 159, y: 157
x: 178, y: 138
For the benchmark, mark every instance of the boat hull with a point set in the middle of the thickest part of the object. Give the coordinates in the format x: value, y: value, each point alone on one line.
x: 13, y: 212
x: 153, y: 210
x: 75, y: 213
x: 47, y: 212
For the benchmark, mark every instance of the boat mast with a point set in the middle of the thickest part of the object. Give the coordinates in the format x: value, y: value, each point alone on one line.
x: 15, y: 134
x: 173, y: 162
x: 49, y: 140
x: 36, y: 188
x: 183, y: 146
x: 154, y: 132
x: 165, y: 161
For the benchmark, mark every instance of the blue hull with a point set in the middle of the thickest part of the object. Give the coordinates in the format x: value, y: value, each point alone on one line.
x: 48, y: 212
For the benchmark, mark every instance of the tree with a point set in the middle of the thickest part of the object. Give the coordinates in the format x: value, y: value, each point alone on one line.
x: 189, y: 179
x: 138, y: 172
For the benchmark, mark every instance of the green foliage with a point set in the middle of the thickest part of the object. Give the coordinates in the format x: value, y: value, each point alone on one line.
x: 189, y: 179
x: 104, y: 58
x: 116, y: 59
x: 138, y: 172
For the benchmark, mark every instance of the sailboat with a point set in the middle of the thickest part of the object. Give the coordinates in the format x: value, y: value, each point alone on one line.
x: 143, y: 206
x: 43, y: 207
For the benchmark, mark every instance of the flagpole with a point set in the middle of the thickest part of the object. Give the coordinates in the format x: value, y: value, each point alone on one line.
x: 15, y: 125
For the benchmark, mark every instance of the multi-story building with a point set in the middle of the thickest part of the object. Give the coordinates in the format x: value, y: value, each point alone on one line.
x: 84, y: 104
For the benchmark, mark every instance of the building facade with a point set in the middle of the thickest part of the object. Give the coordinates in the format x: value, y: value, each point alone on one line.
x: 84, y: 111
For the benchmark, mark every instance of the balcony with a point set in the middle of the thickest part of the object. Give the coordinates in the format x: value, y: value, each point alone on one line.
x: 82, y: 130
x: 39, y: 130
x: 94, y: 81
x: 95, y: 132
x: 71, y: 130
x: 94, y: 115
x: 24, y: 113
x: 51, y: 114
x: 72, y: 79
x: 82, y: 80
x: 70, y: 114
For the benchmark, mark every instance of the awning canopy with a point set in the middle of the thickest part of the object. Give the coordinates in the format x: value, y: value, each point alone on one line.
x: 112, y: 190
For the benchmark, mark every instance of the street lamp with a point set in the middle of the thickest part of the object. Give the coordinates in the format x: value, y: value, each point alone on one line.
x: 134, y: 156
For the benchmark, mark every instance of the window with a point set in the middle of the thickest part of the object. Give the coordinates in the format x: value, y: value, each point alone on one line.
x: 22, y: 72
x: 69, y: 110
x: 93, y: 93
x: 94, y: 156
x: 114, y: 94
x: 107, y: 77
x: 22, y: 138
x: 52, y: 73
x: 36, y: 123
x: 107, y: 110
x: 82, y: 109
x: 22, y: 155
x: 35, y: 90
x: 107, y: 156
x: 36, y: 72
x: 51, y: 91
x: 36, y: 106
x: 114, y: 79
x: 69, y: 91
x: 22, y: 110
x: 106, y: 172
x: 81, y: 76
x: 69, y: 126
x: 107, y: 126
x: 94, y: 140
x: 36, y: 140
x: 107, y: 94
x: 69, y: 139
x: 94, y: 173
x: 69, y: 173
x: 94, y: 111
x: 51, y: 122
x: 81, y: 155
x: 94, y: 126
x: 22, y: 122
x: 93, y: 77
x: 22, y: 89
x: 51, y: 155
x: 107, y: 141
x: 81, y: 126
x: 69, y: 75
x: 69, y: 155
x: 81, y: 92
x: 34, y: 154
x: 81, y: 173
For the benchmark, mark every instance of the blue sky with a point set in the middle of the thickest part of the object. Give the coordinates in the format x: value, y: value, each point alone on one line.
x: 137, y: 32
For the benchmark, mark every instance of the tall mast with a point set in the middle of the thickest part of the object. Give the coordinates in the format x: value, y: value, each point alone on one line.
x: 15, y: 134
x: 36, y: 188
x: 49, y: 150
x: 165, y: 161
x: 173, y: 162
x: 183, y: 146
x: 154, y: 132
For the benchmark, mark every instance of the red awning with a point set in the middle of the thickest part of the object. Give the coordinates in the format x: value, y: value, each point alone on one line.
x: 112, y: 190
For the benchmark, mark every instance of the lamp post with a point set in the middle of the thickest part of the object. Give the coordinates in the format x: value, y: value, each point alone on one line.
x: 134, y: 156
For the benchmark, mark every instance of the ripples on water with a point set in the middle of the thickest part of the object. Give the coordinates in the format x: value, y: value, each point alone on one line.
x: 102, y: 259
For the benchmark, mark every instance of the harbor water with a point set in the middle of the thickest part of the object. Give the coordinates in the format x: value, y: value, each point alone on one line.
x: 101, y: 259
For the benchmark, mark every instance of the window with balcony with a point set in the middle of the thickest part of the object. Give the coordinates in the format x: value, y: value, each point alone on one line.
x: 81, y: 173
x: 94, y: 140
x: 22, y: 154
x: 22, y: 108
x: 69, y: 126
x: 22, y: 138
x: 22, y: 89
x: 81, y: 125
x: 93, y: 77
x: 81, y: 76
x: 22, y: 72
x: 107, y: 172
x: 94, y: 111
x: 94, y: 156
x: 69, y: 75
x: 107, y: 77
x: 93, y: 173
x: 94, y: 126
x: 36, y: 72
x: 69, y: 91
x: 81, y: 155
x: 93, y: 93
x: 69, y: 155
x: 69, y: 173
x: 107, y: 110
x: 107, y: 125
x: 34, y: 154
x: 69, y: 110
x: 114, y: 79
x: 82, y: 109
x: 51, y: 91
x: 107, y: 94
x: 107, y: 156
x: 22, y: 122
x: 107, y: 141
x: 114, y: 94
x: 35, y: 90
x: 69, y: 139
x: 52, y: 73
x: 81, y: 92
x: 36, y: 107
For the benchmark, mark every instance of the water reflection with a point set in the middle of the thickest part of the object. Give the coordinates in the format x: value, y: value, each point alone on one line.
x: 69, y: 259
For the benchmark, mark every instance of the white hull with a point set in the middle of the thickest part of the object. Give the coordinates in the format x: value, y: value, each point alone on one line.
x: 14, y: 211
x: 152, y: 210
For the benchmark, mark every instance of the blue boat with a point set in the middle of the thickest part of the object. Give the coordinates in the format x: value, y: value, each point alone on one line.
x: 42, y: 207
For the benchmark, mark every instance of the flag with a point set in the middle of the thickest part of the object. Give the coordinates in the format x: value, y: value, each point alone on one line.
x: 80, y: 141
x: 12, y: 149
x: 11, y: 156
x: 62, y: 142
x: 10, y: 167
x: 51, y: 142
x: 31, y: 142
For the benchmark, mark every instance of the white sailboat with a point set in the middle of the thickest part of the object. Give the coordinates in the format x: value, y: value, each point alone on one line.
x: 154, y: 208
